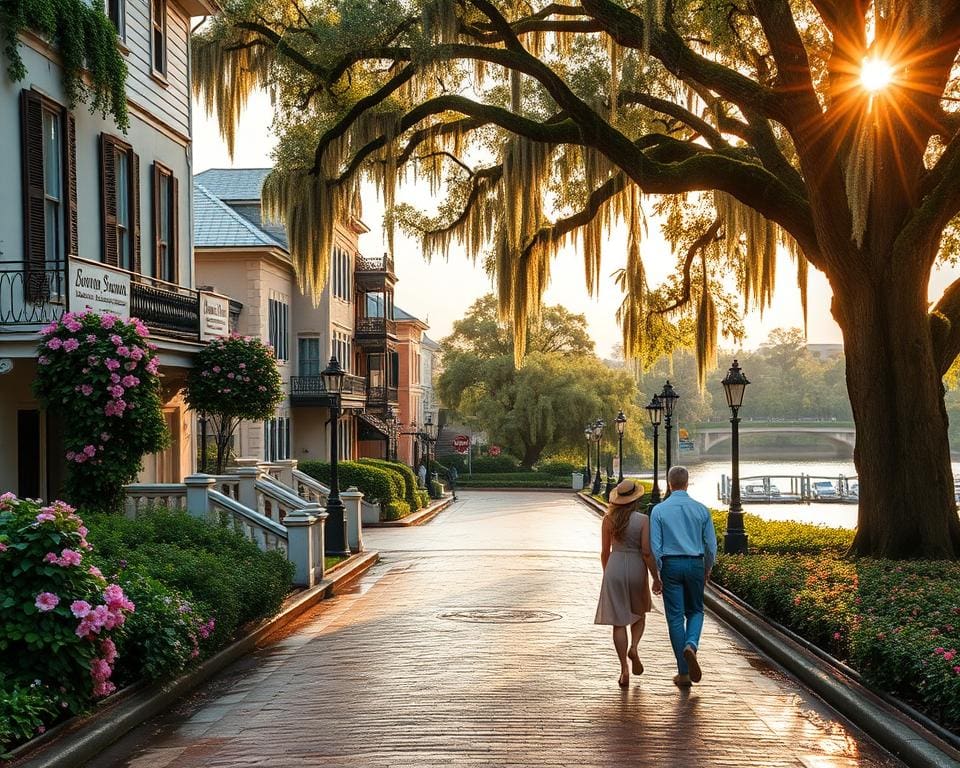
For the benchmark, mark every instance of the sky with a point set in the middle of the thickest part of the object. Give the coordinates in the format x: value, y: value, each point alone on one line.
x: 440, y: 291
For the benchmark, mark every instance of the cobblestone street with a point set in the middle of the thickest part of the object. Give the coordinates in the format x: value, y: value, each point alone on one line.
x: 472, y: 644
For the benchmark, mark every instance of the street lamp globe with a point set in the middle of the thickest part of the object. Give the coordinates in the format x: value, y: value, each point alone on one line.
x: 333, y: 376
x: 654, y: 411
x: 734, y: 386
x: 598, y: 429
x: 668, y: 399
x: 588, y: 432
x: 621, y: 422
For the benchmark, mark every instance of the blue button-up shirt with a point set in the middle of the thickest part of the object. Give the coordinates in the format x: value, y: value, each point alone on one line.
x: 681, y: 525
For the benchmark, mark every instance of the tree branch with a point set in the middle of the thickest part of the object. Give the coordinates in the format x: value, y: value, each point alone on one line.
x: 696, y: 247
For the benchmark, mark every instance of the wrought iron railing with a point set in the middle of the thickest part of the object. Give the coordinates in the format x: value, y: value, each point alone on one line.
x: 376, y: 327
x: 382, y: 395
x: 169, y: 309
x: 30, y: 296
x: 308, y: 387
x: 375, y: 264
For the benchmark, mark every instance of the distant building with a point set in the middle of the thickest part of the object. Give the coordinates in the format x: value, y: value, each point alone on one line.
x: 825, y: 351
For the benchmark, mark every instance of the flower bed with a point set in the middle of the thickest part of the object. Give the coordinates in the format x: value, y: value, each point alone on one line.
x: 90, y: 606
x: 895, y: 622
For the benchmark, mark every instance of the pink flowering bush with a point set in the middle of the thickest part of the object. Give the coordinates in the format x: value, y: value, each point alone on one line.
x: 100, y: 374
x: 61, y: 617
x: 234, y: 379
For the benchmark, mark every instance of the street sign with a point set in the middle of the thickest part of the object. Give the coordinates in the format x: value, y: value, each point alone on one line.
x: 494, y: 450
x: 461, y: 443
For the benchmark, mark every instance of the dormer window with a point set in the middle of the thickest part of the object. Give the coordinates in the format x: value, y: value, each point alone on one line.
x: 158, y: 39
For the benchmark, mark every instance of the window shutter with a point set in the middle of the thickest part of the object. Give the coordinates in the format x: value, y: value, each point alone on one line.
x: 135, y: 205
x: 173, y: 250
x: 73, y: 237
x: 108, y: 200
x: 155, y: 183
x: 34, y: 233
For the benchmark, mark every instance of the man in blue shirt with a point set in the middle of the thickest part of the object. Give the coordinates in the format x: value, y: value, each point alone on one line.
x: 684, y: 544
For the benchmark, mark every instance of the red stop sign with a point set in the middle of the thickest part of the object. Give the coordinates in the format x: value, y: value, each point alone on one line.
x: 494, y: 450
x: 461, y: 443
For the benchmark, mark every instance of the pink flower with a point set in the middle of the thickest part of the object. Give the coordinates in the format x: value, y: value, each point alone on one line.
x: 43, y: 360
x: 123, y: 351
x: 94, y: 571
x: 108, y: 321
x: 86, y: 389
x: 130, y: 381
x: 41, y: 729
x: 80, y: 458
x: 116, y: 391
x: 54, y: 343
x: 956, y: 669
x: 115, y: 340
x: 109, y: 650
x: 3, y: 547
x: 70, y: 345
x: 90, y: 451
x: 938, y: 650
x: 80, y: 608
x: 948, y: 656
x: 104, y: 436
x: 137, y: 353
x: 153, y: 365
x: 50, y: 557
x: 91, y: 339
x: 6, y: 498
x: 46, y: 601
x: 69, y: 557
x: 72, y: 325
x: 50, y: 328
x: 836, y: 635
x: 216, y: 369
x: 46, y: 516
x: 112, y: 364
x: 114, y: 378
x: 130, y: 366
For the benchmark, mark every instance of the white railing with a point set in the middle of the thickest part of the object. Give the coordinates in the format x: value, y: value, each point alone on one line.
x: 310, y: 488
x: 275, y: 500
x: 143, y: 496
x: 267, y: 534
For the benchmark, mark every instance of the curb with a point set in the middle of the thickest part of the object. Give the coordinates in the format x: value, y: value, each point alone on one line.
x: 417, y: 518
x: 78, y: 740
x: 892, y: 729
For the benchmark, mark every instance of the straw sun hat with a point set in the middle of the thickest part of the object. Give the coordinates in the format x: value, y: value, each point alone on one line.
x: 626, y: 492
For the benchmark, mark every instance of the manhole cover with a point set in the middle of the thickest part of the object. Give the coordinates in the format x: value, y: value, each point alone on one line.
x: 500, y: 616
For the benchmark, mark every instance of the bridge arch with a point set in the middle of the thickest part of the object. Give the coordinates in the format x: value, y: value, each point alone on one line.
x: 706, y: 440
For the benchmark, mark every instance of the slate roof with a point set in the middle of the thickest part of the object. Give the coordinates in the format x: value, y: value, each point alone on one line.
x: 217, y: 225
x: 234, y: 184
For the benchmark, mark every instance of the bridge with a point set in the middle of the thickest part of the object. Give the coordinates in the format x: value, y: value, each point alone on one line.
x: 706, y: 438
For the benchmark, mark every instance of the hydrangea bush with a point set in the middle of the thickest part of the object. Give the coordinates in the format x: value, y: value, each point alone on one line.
x: 234, y: 378
x: 100, y: 374
x: 61, y: 617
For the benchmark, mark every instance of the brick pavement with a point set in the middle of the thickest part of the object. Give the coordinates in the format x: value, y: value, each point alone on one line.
x: 399, y: 672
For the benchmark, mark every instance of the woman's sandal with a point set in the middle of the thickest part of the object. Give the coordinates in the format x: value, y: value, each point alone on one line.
x: 637, y: 664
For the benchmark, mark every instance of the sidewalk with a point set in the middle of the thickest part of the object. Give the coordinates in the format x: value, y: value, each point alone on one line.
x: 472, y: 644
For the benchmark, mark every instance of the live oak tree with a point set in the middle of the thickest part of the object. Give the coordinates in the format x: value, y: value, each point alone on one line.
x: 541, y: 123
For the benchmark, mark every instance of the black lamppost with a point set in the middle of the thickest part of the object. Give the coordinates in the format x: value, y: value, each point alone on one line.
x: 336, y: 527
x: 668, y: 399
x: 588, y: 475
x: 429, y: 435
x: 598, y: 436
x: 621, y: 422
x: 203, y: 442
x: 391, y: 419
x: 655, y: 412
x: 735, y: 537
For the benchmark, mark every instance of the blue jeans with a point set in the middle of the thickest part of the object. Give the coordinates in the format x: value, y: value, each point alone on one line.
x: 683, y: 579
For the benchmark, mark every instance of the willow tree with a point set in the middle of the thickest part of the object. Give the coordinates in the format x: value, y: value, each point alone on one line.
x: 747, y: 126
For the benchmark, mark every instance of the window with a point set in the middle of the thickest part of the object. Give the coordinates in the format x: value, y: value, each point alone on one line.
x: 117, y: 13
x: 340, y: 276
x: 120, y: 203
x: 345, y: 439
x: 166, y: 224
x: 49, y: 159
x: 158, y: 39
x: 279, y: 328
x: 308, y: 354
x: 276, y: 438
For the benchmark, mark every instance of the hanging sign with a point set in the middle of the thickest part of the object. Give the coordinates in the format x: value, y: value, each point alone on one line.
x: 99, y: 288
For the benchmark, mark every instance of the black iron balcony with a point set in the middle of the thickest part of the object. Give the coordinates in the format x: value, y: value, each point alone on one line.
x: 166, y: 308
x: 30, y: 297
x: 375, y: 264
x: 379, y: 397
x: 374, y: 329
x: 310, y: 390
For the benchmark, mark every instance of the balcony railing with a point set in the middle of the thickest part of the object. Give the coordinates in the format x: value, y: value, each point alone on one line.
x: 380, y: 396
x: 374, y: 328
x: 310, y: 390
x: 375, y: 264
x: 169, y: 309
x: 30, y: 297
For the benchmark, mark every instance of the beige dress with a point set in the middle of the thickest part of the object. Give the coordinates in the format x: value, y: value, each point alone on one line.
x: 624, y: 594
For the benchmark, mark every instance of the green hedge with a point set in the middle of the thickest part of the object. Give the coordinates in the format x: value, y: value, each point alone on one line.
x: 379, y: 485
x: 406, y: 474
x: 513, y: 480
x: 896, y: 622
x: 559, y: 467
x: 502, y: 463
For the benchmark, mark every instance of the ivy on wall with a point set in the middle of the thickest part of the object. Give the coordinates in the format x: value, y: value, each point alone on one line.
x: 86, y: 40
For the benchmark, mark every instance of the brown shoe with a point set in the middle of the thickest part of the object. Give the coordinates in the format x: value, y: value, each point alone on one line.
x: 681, y: 681
x: 690, y: 656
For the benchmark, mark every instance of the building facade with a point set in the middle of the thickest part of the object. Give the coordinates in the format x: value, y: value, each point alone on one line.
x: 80, y: 194
x: 241, y: 255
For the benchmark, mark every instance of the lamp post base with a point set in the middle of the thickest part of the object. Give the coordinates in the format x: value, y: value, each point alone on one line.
x: 595, y: 488
x: 735, y: 540
x: 335, y: 529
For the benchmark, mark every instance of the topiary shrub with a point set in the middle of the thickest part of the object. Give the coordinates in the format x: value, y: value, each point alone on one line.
x: 378, y: 485
x: 559, y: 467
x: 395, y: 510
x: 409, y: 479
x: 424, y: 498
x: 100, y: 374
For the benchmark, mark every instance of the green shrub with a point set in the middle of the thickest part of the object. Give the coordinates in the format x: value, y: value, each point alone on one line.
x: 559, y: 467
x: 395, y: 510
x: 787, y: 536
x: 409, y: 479
x: 502, y: 463
x: 513, y: 480
x: 436, y: 489
x: 377, y: 484
x: 24, y: 712
x: 424, y: 498
x: 210, y: 565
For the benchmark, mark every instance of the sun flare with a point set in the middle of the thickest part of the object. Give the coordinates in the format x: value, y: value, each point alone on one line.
x: 875, y: 74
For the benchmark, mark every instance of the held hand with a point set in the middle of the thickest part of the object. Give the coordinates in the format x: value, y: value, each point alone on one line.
x: 706, y: 575
x: 657, y: 587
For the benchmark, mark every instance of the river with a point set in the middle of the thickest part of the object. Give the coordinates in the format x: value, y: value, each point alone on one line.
x: 705, y: 480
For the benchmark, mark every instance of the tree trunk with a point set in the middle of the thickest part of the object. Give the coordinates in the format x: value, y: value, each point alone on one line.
x: 531, y: 454
x: 902, y: 454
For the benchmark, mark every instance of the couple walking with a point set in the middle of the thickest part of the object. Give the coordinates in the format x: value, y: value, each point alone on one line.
x: 677, y: 544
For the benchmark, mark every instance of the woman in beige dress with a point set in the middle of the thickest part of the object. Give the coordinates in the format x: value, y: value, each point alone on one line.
x: 626, y: 558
